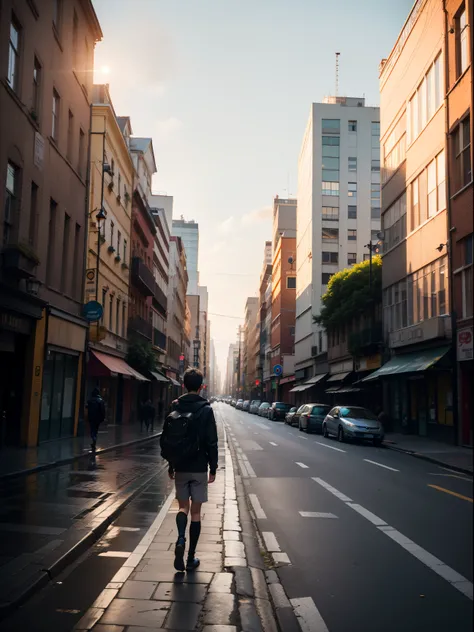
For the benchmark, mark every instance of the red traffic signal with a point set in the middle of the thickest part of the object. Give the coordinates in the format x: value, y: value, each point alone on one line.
x: 181, y: 358
x: 257, y: 382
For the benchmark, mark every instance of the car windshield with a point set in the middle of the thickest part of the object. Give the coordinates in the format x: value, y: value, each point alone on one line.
x: 357, y: 413
x: 281, y: 406
x: 265, y: 405
x: 320, y: 410
x: 256, y: 402
x: 293, y: 410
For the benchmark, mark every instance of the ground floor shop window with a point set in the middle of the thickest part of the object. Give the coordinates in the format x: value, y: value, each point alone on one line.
x: 58, y: 400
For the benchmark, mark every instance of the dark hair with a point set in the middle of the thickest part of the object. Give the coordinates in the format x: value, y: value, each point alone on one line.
x: 193, y: 380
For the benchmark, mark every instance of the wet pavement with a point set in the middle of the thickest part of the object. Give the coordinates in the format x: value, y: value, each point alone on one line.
x: 44, y: 514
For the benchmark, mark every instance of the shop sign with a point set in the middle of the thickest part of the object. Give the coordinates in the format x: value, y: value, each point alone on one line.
x: 465, y: 344
x: 285, y: 380
x: 427, y: 330
x: 93, y: 311
x: 11, y: 322
x: 90, y: 282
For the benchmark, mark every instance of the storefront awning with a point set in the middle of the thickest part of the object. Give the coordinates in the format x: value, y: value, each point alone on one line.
x: 349, y: 389
x: 409, y: 363
x: 301, y: 387
x: 333, y: 389
x: 315, y: 379
x: 174, y: 382
x: 338, y: 377
x: 118, y: 366
x: 159, y: 377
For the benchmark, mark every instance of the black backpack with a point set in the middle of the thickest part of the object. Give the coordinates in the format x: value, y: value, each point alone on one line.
x: 180, y: 440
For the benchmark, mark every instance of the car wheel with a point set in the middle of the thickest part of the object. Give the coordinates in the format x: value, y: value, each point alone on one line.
x: 377, y: 443
x: 325, y: 431
x: 340, y: 435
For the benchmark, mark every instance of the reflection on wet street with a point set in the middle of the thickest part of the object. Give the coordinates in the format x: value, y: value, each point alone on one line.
x: 39, y: 511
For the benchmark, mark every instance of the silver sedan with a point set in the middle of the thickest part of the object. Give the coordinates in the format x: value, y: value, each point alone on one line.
x: 353, y: 422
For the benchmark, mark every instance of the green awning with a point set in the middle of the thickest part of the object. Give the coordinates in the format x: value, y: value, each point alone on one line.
x: 159, y: 377
x: 409, y: 363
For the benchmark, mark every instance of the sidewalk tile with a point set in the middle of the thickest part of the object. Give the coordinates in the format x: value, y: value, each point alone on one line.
x: 108, y: 628
x: 137, y: 590
x: 220, y: 628
x: 222, y: 583
x: 220, y: 608
x: 183, y: 617
x: 138, y: 612
x: 181, y: 592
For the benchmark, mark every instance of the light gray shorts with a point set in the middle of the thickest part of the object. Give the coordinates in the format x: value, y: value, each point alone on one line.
x: 191, y: 485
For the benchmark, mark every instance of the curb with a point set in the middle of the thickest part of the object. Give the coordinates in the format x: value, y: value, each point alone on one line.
x: 430, y: 459
x: 73, y: 553
x: 76, y: 457
x: 273, y: 606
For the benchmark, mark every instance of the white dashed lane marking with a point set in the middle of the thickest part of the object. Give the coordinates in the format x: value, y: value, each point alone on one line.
x: 333, y: 490
x: 281, y: 558
x: 273, y: 443
x: 270, y: 541
x: 316, y: 514
x: 305, y: 467
x: 381, y: 465
x: 257, y: 507
x: 308, y: 615
x: 331, y: 447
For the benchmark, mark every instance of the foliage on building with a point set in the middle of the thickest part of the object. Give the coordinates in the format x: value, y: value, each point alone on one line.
x: 141, y: 356
x: 350, y: 294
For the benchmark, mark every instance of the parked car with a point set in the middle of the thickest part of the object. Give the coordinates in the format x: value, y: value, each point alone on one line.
x: 263, y: 409
x: 310, y: 417
x: 233, y: 402
x: 278, y: 411
x: 254, y: 404
x: 290, y: 414
x: 239, y: 404
x: 246, y: 405
x: 353, y: 422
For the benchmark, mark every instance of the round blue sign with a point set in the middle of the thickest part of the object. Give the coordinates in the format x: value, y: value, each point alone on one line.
x: 277, y: 370
x: 93, y: 311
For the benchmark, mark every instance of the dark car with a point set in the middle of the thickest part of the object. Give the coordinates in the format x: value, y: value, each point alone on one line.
x: 278, y: 411
x: 290, y: 414
x: 310, y: 417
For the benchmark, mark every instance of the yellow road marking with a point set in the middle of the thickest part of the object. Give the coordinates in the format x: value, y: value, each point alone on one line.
x: 448, y: 491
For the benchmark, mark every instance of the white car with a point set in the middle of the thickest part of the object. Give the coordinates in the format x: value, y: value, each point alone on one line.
x: 353, y: 422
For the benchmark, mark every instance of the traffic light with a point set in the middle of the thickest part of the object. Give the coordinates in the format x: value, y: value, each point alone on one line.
x: 257, y: 382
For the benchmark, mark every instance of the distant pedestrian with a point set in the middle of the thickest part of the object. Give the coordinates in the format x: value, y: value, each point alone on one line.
x: 96, y: 415
x: 160, y: 410
x: 142, y: 414
x: 189, y: 444
x: 149, y: 414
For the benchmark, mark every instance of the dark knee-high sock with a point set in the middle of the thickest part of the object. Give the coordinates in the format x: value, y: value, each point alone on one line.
x: 181, y: 522
x: 194, y: 532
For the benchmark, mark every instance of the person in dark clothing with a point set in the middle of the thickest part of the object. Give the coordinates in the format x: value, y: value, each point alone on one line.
x: 142, y: 414
x: 149, y: 414
x: 96, y: 415
x: 196, y: 469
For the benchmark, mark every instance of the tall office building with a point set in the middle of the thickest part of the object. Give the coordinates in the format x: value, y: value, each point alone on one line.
x: 338, y: 209
x: 189, y: 233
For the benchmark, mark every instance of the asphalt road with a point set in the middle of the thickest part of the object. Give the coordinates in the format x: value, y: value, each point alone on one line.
x: 396, y: 550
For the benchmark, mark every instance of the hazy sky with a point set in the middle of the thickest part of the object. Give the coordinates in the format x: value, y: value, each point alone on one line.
x: 224, y: 88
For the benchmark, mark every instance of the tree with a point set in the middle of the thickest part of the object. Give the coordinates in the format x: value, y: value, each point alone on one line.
x: 350, y: 294
x: 141, y: 356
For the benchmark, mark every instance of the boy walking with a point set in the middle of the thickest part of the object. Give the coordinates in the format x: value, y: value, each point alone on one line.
x: 189, y: 444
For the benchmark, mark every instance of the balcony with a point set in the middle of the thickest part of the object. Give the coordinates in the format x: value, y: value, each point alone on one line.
x: 159, y: 339
x: 366, y: 341
x: 430, y: 329
x: 159, y: 300
x: 142, y: 277
x: 140, y: 326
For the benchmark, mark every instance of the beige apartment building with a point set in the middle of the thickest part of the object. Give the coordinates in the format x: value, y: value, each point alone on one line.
x: 418, y: 373
x: 46, y: 67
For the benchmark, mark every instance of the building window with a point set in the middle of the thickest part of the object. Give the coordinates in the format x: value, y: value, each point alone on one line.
x: 124, y: 319
x: 51, y: 256
x: 375, y: 194
x: 292, y: 331
x: 330, y: 234
x: 76, y: 273
x: 375, y: 128
x: 70, y: 137
x: 33, y: 215
x: 75, y: 29
x: 325, y: 276
x: 352, y: 190
x: 352, y: 235
x: 375, y: 213
x: 426, y: 100
x: 352, y: 164
x: 330, y: 213
x: 119, y: 242
x: 467, y: 279
x: 117, y: 317
x: 352, y: 126
x: 330, y: 175
x: 436, y: 185
x: 415, y: 204
x: 14, y: 55
x: 291, y: 282
x: 330, y: 257
x: 394, y: 223
x: 462, y: 153
x: 36, y: 88
x: 352, y: 212
x: 331, y: 126
x: 112, y: 227
x: 332, y: 141
x: 374, y: 236
x: 394, y: 148
x: 65, y: 254
x: 330, y: 162
x: 351, y: 258
x: 330, y: 188
x: 366, y: 257
x: 119, y: 184
x: 111, y: 313
x: 57, y: 9
x: 462, y: 42
x: 375, y: 166
x: 82, y: 148
x: 12, y: 189
x: 124, y: 251
x: 55, y: 121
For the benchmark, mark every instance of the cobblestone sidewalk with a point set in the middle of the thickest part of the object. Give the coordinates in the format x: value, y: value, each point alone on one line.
x: 147, y: 594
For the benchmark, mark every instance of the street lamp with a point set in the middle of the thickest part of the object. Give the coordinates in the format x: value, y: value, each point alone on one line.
x: 373, y: 247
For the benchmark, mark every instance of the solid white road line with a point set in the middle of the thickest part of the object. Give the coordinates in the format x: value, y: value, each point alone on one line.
x: 257, y: 507
x: 272, y: 443
x: 316, y: 514
x: 306, y: 467
x: 270, y: 541
x: 325, y: 445
x: 381, y: 465
x: 304, y: 438
x: 440, y: 568
x: 333, y: 490
x: 308, y: 615
x: 125, y: 554
x: 281, y: 558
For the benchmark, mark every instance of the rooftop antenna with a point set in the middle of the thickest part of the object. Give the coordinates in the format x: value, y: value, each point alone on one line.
x: 337, y: 74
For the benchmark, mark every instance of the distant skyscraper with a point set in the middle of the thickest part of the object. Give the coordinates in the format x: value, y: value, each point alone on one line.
x: 338, y: 208
x: 189, y: 233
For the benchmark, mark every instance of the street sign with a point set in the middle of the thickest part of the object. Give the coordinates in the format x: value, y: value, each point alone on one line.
x: 277, y: 370
x: 93, y: 311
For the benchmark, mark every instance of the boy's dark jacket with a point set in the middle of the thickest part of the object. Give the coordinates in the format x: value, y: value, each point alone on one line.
x: 207, y: 456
